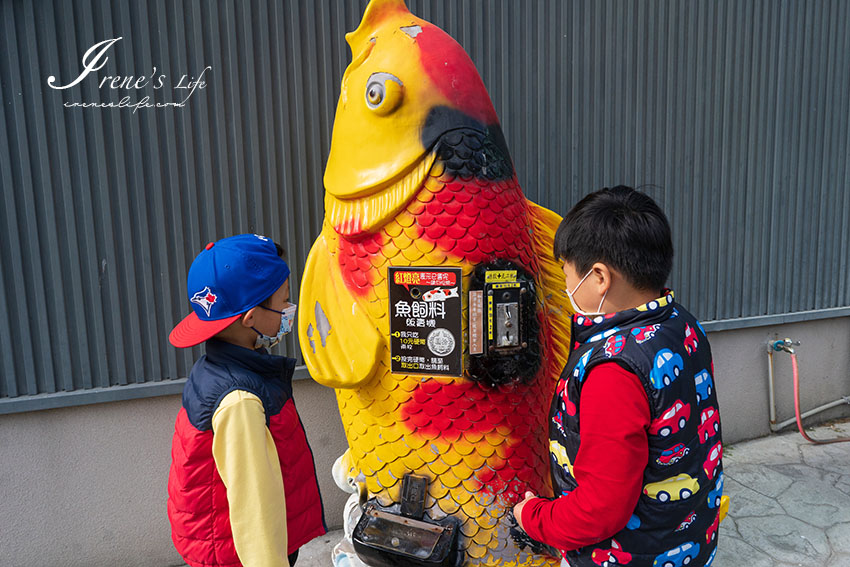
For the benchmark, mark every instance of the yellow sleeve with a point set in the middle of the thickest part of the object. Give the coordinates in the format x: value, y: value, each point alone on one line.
x: 247, y: 461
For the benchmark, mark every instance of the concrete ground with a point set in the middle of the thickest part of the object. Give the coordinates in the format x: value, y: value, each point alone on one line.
x: 790, y: 504
x: 790, y: 501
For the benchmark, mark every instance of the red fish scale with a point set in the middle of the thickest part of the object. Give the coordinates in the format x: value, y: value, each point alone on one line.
x: 442, y: 219
x: 472, y: 217
x: 355, y: 261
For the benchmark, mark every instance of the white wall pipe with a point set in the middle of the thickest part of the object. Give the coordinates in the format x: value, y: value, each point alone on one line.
x: 787, y: 346
x: 770, y: 391
x: 783, y: 424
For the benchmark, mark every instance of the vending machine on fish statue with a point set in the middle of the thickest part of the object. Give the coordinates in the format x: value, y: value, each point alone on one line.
x: 433, y: 306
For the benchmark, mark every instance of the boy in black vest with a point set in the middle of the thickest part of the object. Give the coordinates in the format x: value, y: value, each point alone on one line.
x: 242, y: 488
x: 635, y: 441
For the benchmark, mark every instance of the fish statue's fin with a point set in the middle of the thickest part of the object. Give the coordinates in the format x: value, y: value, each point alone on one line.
x: 341, y: 344
x: 558, y: 312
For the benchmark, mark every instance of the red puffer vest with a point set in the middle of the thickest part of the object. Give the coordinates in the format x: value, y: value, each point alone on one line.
x: 197, y: 498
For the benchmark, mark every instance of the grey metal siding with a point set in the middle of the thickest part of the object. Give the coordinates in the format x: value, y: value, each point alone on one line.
x: 733, y: 114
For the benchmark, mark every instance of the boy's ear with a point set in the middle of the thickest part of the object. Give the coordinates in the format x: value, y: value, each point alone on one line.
x: 601, y: 276
x: 247, y: 319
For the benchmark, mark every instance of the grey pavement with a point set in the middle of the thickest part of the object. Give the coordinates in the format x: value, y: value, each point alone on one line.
x: 790, y: 504
x: 790, y: 501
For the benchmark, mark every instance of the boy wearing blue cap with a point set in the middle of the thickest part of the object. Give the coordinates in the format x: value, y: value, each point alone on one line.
x: 242, y: 488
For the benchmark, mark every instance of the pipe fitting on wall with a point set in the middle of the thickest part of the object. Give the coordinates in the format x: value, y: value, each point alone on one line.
x: 785, y: 344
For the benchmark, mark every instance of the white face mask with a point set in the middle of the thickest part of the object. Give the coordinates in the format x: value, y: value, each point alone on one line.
x: 286, y: 318
x: 576, y: 308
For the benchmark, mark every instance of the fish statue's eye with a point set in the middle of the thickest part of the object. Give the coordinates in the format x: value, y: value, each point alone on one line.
x: 375, y: 95
x: 384, y: 93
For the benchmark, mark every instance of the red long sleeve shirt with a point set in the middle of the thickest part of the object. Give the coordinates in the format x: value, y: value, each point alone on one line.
x: 614, y: 450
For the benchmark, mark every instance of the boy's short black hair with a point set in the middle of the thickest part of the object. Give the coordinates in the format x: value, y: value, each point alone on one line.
x: 620, y: 227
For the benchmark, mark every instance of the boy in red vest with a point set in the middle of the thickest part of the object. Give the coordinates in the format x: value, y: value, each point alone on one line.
x: 242, y: 488
x: 634, y: 432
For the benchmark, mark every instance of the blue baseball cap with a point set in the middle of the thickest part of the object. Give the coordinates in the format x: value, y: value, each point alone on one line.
x: 228, y: 278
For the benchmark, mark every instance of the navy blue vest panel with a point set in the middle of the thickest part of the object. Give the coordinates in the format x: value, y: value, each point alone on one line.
x: 675, y: 520
x: 227, y: 367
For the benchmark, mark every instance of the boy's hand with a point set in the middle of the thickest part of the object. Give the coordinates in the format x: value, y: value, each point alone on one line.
x: 520, y: 536
x: 518, y: 508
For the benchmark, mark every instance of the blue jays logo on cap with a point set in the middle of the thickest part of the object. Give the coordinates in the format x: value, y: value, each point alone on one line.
x: 205, y: 298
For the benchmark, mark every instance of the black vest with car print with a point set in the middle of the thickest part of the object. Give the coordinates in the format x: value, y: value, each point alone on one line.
x: 675, y: 521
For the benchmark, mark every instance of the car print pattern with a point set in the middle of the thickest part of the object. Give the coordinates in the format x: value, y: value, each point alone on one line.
x: 614, y: 555
x: 686, y: 523
x: 672, y: 420
x: 709, y: 424
x: 643, y: 334
x: 666, y: 368
x: 614, y: 345
x: 691, y: 341
x: 603, y: 335
x: 714, y: 456
x: 678, y: 556
x: 716, y: 493
x: 711, y: 534
x: 669, y: 362
x: 672, y: 455
x: 578, y: 373
x: 704, y: 385
x: 679, y: 487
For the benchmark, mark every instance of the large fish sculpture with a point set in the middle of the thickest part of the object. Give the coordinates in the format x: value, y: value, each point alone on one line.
x: 419, y: 175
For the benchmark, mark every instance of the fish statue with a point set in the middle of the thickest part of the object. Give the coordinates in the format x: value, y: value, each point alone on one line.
x: 419, y: 175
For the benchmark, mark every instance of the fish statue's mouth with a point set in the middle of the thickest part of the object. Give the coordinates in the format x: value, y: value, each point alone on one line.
x: 367, y: 214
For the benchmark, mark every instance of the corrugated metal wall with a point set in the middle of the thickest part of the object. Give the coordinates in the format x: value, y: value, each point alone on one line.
x: 734, y: 113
